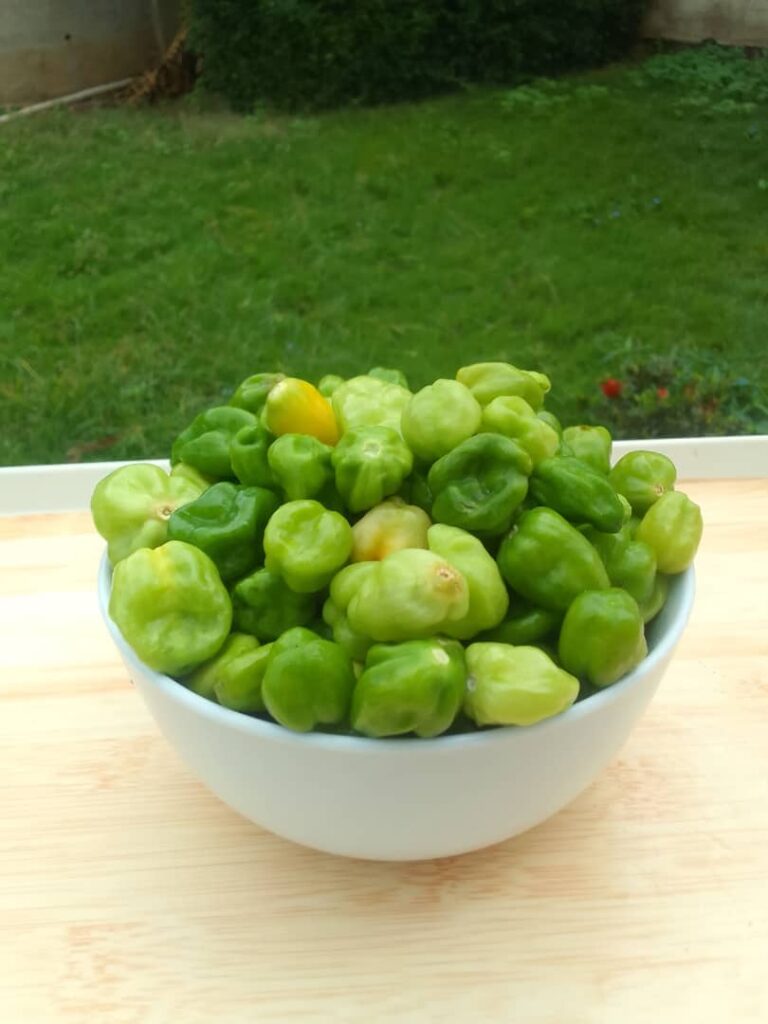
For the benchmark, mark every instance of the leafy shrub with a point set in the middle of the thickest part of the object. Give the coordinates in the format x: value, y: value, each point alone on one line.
x: 714, y: 78
x: 318, y: 53
x: 678, y: 394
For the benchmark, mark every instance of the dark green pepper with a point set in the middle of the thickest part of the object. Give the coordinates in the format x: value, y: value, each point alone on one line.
x: 523, y: 624
x: 479, y: 484
x: 248, y: 455
x: 265, y: 606
x: 370, y: 463
x: 251, y: 394
x: 630, y: 564
x: 602, y: 636
x: 308, y: 682
x: 642, y: 477
x: 417, y: 686
x: 650, y: 609
x: 227, y: 522
x: 301, y: 465
x: 205, y: 443
x: 591, y: 445
x: 549, y: 562
x: 577, y: 492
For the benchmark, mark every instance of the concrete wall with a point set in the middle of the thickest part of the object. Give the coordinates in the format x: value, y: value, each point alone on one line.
x: 49, y: 48
x: 739, y: 22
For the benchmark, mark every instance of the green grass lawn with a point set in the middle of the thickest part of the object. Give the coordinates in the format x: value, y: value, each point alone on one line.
x: 151, y: 259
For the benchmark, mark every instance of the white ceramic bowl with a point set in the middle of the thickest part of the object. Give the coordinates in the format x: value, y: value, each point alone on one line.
x: 404, y: 799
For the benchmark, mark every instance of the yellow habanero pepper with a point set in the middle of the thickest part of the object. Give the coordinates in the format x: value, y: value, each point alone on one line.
x: 295, y: 406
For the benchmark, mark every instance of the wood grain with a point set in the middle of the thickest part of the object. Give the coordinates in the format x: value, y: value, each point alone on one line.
x: 130, y: 895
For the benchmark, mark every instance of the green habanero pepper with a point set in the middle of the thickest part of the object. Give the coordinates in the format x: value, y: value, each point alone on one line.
x: 413, y: 687
x: 630, y: 564
x: 409, y: 595
x: 370, y: 463
x: 248, y: 451
x: 301, y: 465
x: 643, y: 477
x: 355, y: 644
x: 524, y: 624
x: 591, y: 445
x: 171, y: 606
x: 306, y: 544
x: 251, y: 394
x: 181, y: 471
x: 328, y: 384
x: 265, y: 606
x: 440, y: 417
x: 390, y: 376
x: 132, y: 505
x: 226, y: 522
x: 233, y: 677
x: 308, y: 683
x: 578, y: 492
x: 551, y: 420
x: 547, y: 560
x: 390, y: 526
x: 672, y: 527
x: 415, y: 491
x: 479, y: 484
x: 602, y: 636
x: 205, y: 442
x: 515, y: 685
x: 487, y: 381
x: 513, y: 417
x: 650, y: 609
x: 488, y: 597
x: 369, y: 402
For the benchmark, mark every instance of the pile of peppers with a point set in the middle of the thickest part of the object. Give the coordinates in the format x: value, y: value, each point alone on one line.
x: 355, y: 557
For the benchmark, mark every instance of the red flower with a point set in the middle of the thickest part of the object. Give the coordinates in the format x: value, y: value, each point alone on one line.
x: 662, y: 392
x: 611, y: 387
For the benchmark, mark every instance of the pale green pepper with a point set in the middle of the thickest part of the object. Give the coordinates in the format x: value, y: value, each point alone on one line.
x: 591, y: 445
x: 672, y: 527
x: 643, y: 477
x: 409, y: 595
x: 488, y: 597
x: 513, y: 417
x: 369, y: 402
x: 487, y: 381
x: 440, y: 417
x: 132, y: 505
x: 306, y: 545
x: 390, y: 526
x: 171, y: 606
x: 515, y: 685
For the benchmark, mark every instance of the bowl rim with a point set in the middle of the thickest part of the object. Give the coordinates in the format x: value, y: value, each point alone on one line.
x: 683, y: 582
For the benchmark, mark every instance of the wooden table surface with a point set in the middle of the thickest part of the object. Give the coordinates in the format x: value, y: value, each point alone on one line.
x: 130, y: 895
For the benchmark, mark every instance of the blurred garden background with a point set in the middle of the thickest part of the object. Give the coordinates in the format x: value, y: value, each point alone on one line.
x: 571, y: 199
